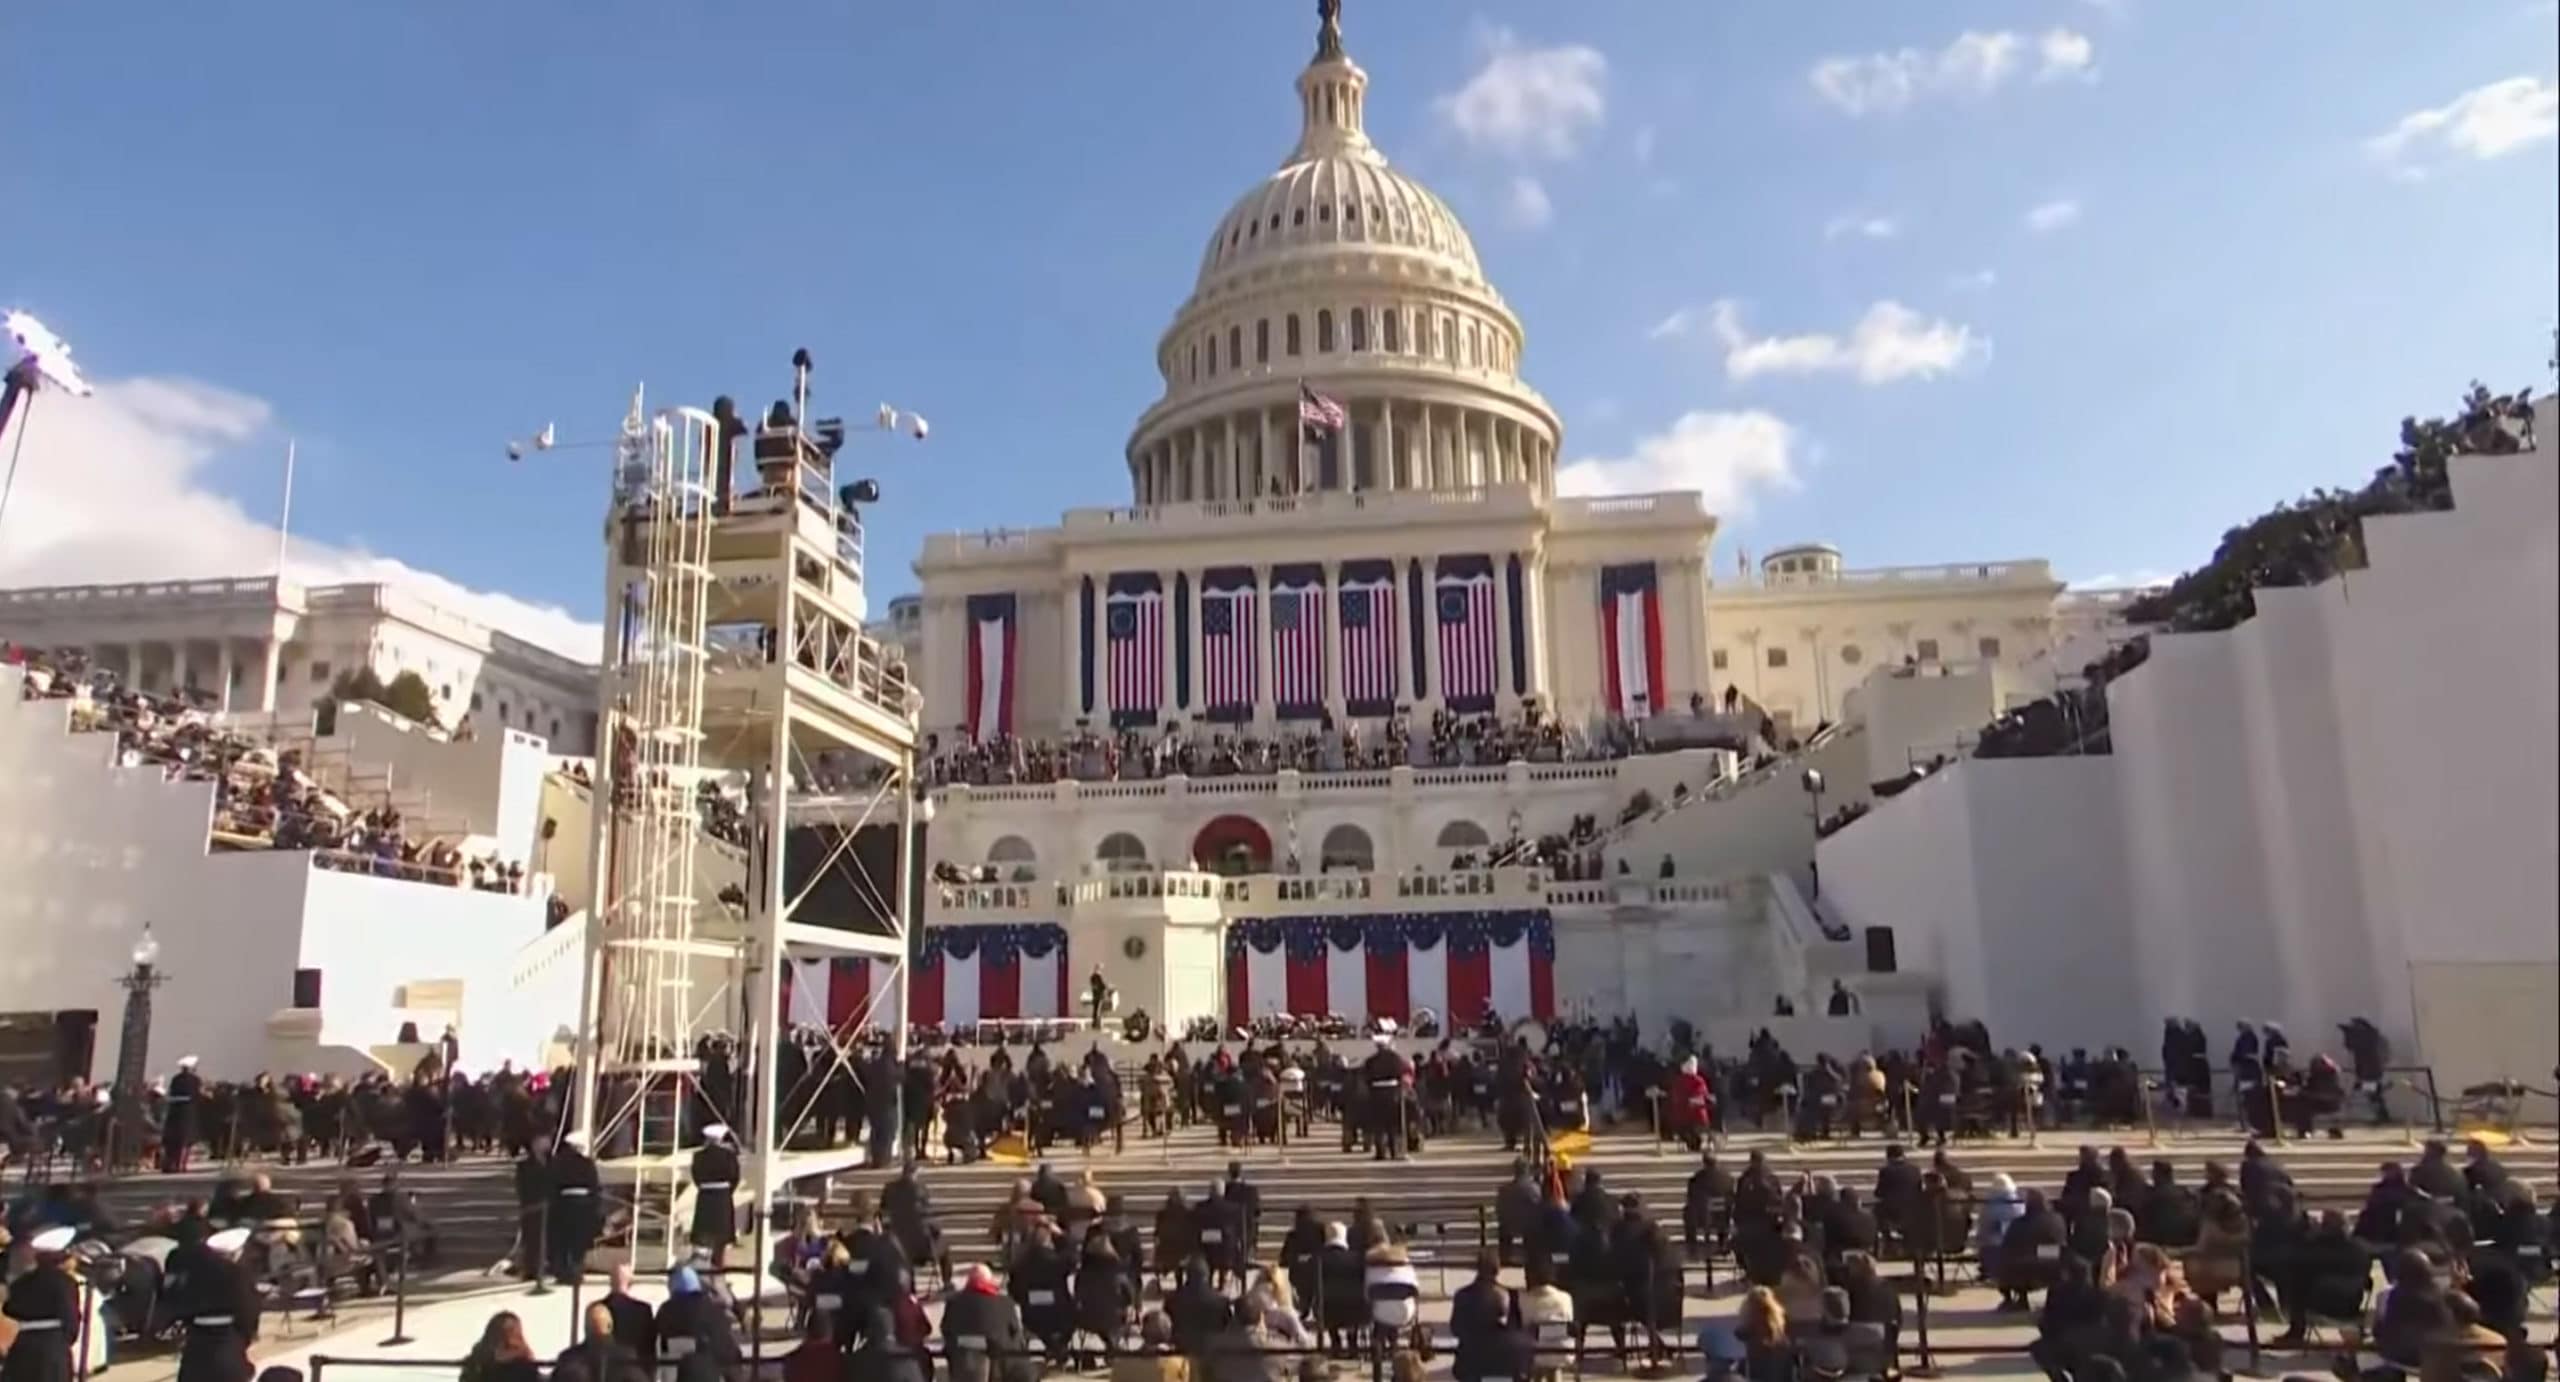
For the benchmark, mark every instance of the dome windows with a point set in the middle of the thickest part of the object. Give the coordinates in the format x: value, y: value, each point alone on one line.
x: 1235, y: 347
x: 1293, y: 343
x: 1324, y: 331
x: 1262, y: 341
x: 1390, y: 324
x: 1298, y: 217
x: 1359, y: 328
x: 1324, y: 213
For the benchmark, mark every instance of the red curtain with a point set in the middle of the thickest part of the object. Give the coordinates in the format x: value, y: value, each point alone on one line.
x: 1470, y: 983
x: 1390, y: 995
x: 999, y: 985
x: 1307, y: 986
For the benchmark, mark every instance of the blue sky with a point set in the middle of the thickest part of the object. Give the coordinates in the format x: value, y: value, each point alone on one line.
x: 1945, y: 282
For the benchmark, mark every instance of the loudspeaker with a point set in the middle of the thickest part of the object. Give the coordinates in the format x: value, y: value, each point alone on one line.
x: 306, y: 988
x: 1880, y: 950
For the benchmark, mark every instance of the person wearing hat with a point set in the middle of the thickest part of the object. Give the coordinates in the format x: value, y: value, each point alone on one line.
x: 695, y: 1332
x: 1382, y: 1080
x: 221, y: 1309
x: 45, y: 1305
x: 575, y: 1188
x: 715, y: 1190
x: 178, y: 1123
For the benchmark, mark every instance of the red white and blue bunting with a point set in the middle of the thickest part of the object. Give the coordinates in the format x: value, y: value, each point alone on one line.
x: 966, y: 974
x: 1458, y: 964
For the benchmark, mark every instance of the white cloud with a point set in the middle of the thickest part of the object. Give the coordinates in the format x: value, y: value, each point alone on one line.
x: 1889, y: 344
x: 2061, y: 53
x: 1864, y: 227
x: 113, y: 489
x: 1680, y: 323
x: 1530, y: 102
x: 2044, y: 218
x: 1528, y: 205
x: 1974, y: 64
x: 1976, y: 281
x: 2482, y: 123
x: 1730, y: 458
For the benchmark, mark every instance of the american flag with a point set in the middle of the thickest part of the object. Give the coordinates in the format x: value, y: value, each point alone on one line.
x: 1318, y: 413
x: 1369, y: 644
x: 1135, y: 628
x: 1226, y: 648
x: 1466, y: 640
x: 1297, y: 645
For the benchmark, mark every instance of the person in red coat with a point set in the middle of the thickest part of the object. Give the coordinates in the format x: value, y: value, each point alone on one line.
x: 1692, y: 1104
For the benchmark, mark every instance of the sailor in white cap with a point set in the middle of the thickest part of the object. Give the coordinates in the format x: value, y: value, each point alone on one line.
x: 178, y: 1124
x: 575, y: 1190
x: 45, y: 1305
x: 715, y: 1189
x: 1382, y: 1079
x: 220, y: 1303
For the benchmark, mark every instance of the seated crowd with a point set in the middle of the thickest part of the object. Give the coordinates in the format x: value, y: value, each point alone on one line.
x: 1208, y: 749
x: 263, y: 797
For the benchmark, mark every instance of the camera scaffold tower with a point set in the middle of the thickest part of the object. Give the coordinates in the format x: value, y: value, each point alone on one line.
x: 736, y: 653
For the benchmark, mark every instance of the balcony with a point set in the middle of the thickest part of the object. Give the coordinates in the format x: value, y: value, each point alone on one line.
x: 1208, y: 897
x: 1290, y: 784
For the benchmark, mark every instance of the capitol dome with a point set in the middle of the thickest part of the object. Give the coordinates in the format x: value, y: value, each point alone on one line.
x: 1342, y: 276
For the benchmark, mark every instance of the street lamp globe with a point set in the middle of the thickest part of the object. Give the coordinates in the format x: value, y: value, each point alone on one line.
x: 146, y: 951
x: 1813, y: 780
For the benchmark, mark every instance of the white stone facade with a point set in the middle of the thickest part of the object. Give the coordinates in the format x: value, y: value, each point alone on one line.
x: 263, y: 645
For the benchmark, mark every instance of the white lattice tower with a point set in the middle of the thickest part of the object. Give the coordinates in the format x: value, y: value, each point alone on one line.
x: 642, y: 1003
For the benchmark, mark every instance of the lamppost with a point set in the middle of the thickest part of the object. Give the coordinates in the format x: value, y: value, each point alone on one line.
x: 1813, y: 789
x: 133, y: 1056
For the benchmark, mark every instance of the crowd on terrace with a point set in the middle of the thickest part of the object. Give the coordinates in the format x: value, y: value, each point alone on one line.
x: 263, y: 797
x: 1443, y: 739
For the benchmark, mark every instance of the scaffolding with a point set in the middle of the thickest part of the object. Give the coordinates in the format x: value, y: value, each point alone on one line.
x: 736, y: 661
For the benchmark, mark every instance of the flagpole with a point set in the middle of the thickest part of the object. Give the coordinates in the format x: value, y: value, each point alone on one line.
x: 284, y: 519
x: 1300, y: 411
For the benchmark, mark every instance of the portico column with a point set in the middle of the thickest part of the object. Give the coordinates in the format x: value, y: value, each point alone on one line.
x: 1265, y: 712
x: 1262, y: 455
x: 182, y: 664
x: 1072, y: 633
x: 226, y: 670
x: 1387, y: 445
x: 1533, y: 588
x: 267, y: 678
x: 1232, y: 462
x: 1429, y: 633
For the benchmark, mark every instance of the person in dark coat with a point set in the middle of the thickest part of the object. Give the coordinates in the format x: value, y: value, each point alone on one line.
x: 880, y: 1358
x: 178, y: 1121
x: 983, y: 1332
x: 1382, y: 1079
x: 45, y: 1306
x: 221, y: 1312
x: 635, y: 1325
x: 715, y: 1189
x: 600, y: 1357
x: 1106, y: 1294
x: 533, y: 1209
x: 576, y: 1189
x: 1037, y: 1282
x: 696, y: 1333
x: 1482, y: 1318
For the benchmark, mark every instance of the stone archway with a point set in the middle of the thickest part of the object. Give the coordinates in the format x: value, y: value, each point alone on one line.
x: 1232, y: 845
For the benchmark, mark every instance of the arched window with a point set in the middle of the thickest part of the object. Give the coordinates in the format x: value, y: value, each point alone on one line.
x: 1324, y: 330
x: 1292, y: 334
x: 1212, y: 343
x: 1195, y: 362
x: 1463, y: 835
x: 1262, y: 341
x: 1449, y: 338
x: 1014, y: 860
x: 1359, y: 328
x: 1391, y: 331
x: 1121, y: 852
x: 1235, y: 347
x: 1347, y: 847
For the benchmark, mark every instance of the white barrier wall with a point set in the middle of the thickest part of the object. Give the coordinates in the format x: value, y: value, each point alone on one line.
x: 91, y: 853
x: 2343, y: 807
x: 1987, y: 873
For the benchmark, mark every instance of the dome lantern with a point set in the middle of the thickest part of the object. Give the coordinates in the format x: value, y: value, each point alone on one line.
x: 1331, y: 95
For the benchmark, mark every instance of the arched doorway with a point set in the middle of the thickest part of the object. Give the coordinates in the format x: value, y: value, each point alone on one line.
x: 1232, y: 845
x: 1347, y: 849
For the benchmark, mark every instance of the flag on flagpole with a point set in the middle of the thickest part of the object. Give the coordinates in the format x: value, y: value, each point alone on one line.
x: 1321, y: 416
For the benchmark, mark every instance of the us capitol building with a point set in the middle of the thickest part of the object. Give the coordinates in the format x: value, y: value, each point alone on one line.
x: 1345, y: 521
